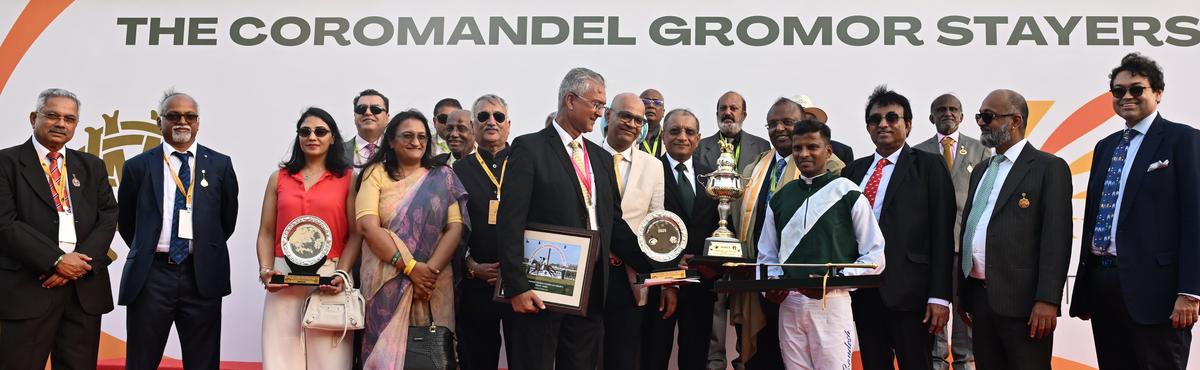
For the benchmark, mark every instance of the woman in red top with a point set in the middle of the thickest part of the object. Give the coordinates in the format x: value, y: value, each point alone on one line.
x: 314, y: 182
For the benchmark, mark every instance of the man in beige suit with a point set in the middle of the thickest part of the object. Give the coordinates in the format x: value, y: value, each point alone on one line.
x: 640, y: 182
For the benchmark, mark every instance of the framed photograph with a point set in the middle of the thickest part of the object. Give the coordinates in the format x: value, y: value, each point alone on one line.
x: 558, y: 264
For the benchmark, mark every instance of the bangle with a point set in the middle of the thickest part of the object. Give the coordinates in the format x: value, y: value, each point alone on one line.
x: 408, y: 267
x: 395, y: 257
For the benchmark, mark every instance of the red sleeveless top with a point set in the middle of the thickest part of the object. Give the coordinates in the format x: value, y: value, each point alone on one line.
x: 325, y: 200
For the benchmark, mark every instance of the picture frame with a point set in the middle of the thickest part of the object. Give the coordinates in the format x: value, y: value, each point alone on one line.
x: 559, y: 263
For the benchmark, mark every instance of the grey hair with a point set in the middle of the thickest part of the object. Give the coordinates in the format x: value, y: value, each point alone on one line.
x: 578, y: 81
x: 171, y: 93
x: 680, y: 111
x: 54, y: 93
x: 490, y: 98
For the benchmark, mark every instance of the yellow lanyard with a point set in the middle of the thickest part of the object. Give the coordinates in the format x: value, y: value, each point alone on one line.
x: 187, y: 194
x: 490, y: 175
x: 657, y: 142
x: 60, y: 186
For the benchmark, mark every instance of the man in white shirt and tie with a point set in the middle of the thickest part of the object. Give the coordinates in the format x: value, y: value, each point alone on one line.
x: 370, y: 118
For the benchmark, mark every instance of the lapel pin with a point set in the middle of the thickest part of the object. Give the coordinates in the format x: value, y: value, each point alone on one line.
x: 970, y: 168
x: 74, y: 180
x: 203, y: 179
x: 1024, y: 202
x: 962, y: 150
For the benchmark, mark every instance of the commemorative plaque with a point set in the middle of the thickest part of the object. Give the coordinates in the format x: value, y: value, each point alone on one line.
x: 306, y: 242
x: 662, y: 237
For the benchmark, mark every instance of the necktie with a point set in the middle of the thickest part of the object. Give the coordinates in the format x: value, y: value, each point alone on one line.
x: 577, y: 157
x: 685, y: 188
x: 617, y: 158
x: 780, y: 166
x: 948, y: 151
x: 179, y: 246
x: 371, y: 148
x: 982, y: 195
x: 873, y: 184
x: 1102, y: 235
x: 55, y: 180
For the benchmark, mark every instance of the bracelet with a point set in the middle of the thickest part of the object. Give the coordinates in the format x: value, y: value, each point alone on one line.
x: 408, y: 267
x: 395, y: 257
x: 57, y: 261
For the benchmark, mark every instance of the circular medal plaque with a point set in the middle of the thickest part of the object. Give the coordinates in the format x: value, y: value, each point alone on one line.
x: 306, y: 240
x: 662, y: 236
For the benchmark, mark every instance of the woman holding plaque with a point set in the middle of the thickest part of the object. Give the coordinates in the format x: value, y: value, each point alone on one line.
x: 409, y: 212
x: 312, y: 188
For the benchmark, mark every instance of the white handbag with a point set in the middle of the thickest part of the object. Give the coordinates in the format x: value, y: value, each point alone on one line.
x: 336, y: 312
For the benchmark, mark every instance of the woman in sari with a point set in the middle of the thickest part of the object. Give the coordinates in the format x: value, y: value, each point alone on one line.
x: 409, y: 213
x: 314, y: 182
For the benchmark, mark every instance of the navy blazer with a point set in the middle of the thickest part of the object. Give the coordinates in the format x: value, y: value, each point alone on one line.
x: 1158, y: 233
x: 214, y: 215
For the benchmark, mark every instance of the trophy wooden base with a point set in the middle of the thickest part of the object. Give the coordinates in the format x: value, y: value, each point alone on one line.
x: 301, y: 279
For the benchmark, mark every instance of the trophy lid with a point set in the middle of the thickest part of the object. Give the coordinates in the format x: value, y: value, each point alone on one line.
x: 662, y: 236
x: 306, y: 240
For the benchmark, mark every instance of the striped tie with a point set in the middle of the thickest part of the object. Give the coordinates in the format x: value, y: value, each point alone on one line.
x: 577, y: 157
x: 55, y: 179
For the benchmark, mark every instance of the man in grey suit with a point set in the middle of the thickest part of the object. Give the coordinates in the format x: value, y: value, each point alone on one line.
x: 961, y: 154
x: 731, y: 112
x: 1016, y: 242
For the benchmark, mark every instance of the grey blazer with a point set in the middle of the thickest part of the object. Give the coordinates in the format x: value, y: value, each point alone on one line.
x: 960, y: 172
x: 710, y: 149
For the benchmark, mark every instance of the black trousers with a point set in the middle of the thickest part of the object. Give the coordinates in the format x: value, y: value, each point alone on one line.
x: 550, y: 340
x: 658, y: 334
x: 1003, y: 342
x: 622, y: 323
x: 695, y: 311
x: 170, y: 297
x: 887, y: 337
x: 480, y: 322
x: 1121, y: 342
x: 767, y: 355
x: 66, y: 334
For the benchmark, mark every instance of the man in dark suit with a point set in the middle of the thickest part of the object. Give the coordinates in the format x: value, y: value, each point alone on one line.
x: 460, y: 137
x: 961, y: 154
x: 178, y: 209
x: 685, y: 197
x: 57, y: 219
x: 1016, y: 242
x: 559, y: 178
x: 370, y: 118
x: 1138, y: 276
x: 912, y: 197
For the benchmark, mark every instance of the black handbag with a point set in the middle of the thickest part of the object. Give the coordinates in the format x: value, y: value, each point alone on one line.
x: 430, y: 347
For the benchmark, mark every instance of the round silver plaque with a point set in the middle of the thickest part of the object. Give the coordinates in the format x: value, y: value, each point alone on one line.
x: 662, y: 236
x: 306, y: 240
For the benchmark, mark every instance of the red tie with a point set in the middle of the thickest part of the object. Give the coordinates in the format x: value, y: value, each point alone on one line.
x: 873, y: 183
x: 55, y: 179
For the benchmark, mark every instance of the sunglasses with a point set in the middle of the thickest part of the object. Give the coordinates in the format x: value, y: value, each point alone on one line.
x: 305, y: 131
x: 441, y: 118
x: 654, y: 102
x: 988, y: 117
x: 410, y: 136
x: 177, y: 117
x: 1119, y: 92
x: 483, y: 116
x: 875, y: 119
x: 626, y: 117
x: 362, y: 109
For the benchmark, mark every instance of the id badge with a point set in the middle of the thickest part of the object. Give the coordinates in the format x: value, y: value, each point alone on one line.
x: 185, y: 224
x: 493, y: 209
x: 66, y: 231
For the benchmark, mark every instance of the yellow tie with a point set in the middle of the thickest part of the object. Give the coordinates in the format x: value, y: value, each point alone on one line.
x: 948, y: 151
x: 577, y: 157
x: 617, y: 158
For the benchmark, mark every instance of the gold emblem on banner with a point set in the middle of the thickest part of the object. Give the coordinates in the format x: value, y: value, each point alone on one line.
x: 118, y: 140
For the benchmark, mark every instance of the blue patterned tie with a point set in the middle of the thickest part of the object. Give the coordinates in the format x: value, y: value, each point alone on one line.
x: 179, y: 246
x: 1102, y: 235
x: 780, y: 166
x: 982, y: 195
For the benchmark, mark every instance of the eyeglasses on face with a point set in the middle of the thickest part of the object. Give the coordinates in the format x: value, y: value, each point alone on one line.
x: 625, y: 116
x: 483, y: 116
x: 441, y: 118
x: 652, y: 102
x: 596, y: 106
x: 875, y: 119
x: 988, y: 117
x: 410, y: 136
x: 306, y: 131
x: 787, y: 123
x: 55, y: 117
x: 362, y: 109
x: 181, y: 117
x: 1135, y: 90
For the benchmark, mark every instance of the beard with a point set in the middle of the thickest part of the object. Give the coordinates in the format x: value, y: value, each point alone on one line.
x: 993, y: 138
x: 730, y: 128
x: 181, y: 137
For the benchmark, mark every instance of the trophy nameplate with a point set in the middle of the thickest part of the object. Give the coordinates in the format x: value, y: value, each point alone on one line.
x: 662, y: 236
x: 306, y: 242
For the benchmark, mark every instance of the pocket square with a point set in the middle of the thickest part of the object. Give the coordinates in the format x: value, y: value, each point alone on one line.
x: 1159, y: 165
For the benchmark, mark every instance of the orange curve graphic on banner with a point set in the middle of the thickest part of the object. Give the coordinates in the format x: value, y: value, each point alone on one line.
x: 38, y: 15
x: 1085, y: 119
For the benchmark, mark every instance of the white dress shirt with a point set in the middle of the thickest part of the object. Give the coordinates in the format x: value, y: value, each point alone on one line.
x: 626, y: 162
x: 169, y: 190
x: 979, y: 241
x: 953, y: 147
x: 360, y: 150
x: 591, y: 177
x: 1135, y: 143
x: 883, y: 181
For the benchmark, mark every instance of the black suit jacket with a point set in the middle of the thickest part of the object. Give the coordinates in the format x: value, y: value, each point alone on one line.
x: 842, y: 151
x: 1158, y: 233
x: 918, y: 225
x: 1028, y: 248
x: 703, y: 220
x: 29, y: 231
x: 541, y: 187
x: 214, y: 216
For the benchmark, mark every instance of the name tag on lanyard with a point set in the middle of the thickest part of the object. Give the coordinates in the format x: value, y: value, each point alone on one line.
x: 185, y: 223
x: 66, y: 232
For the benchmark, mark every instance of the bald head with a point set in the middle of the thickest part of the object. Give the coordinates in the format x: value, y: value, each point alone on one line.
x: 655, y: 106
x: 624, y: 121
x: 460, y: 132
x: 946, y: 114
x: 1007, y: 111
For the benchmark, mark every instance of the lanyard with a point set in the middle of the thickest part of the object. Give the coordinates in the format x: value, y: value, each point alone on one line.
x: 737, y: 152
x: 491, y: 176
x: 775, y: 177
x: 60, y: 186
x: 187, y: 194
x: 584, y: 177
x: 657, y: 142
